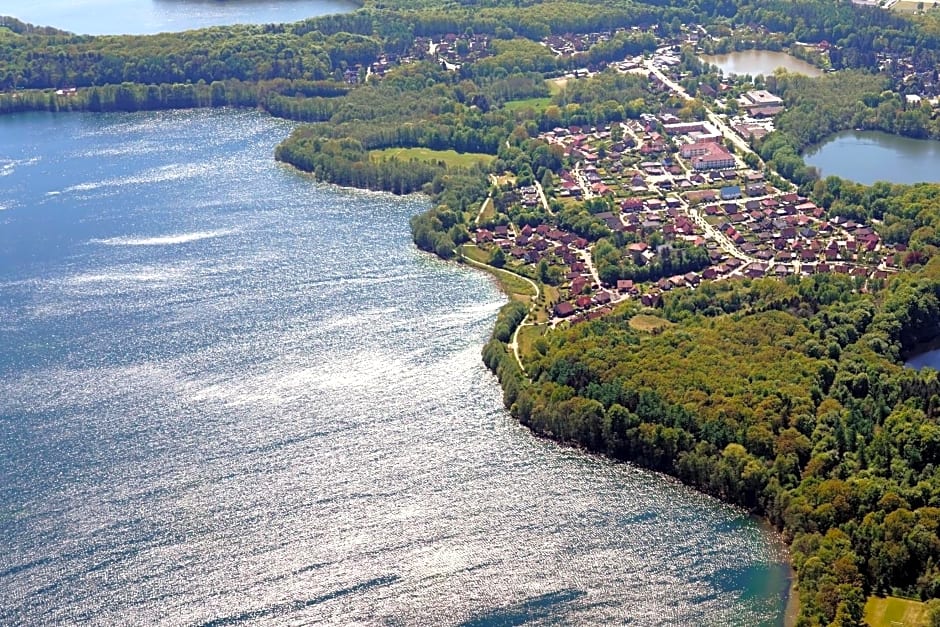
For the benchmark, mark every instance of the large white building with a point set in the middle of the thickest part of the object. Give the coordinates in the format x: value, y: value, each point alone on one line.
x: 707, y: 156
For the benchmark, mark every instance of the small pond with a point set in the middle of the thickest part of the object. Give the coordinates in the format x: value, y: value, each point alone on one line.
x: 756, y: 62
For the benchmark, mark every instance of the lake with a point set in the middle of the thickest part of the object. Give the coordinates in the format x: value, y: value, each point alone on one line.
x: 230, y: 394
x: 930, y: 358
x: 754, y: 62
x: 870, y: 156
x: 141, y: 17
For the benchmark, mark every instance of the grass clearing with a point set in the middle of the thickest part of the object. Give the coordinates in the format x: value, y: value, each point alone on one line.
x: 451, y: 158
x: 475, y: 253
x: 488, y: 211
x: 648, y: 324
x: 909, y: 6
x: 556, y: 85
x: 550, y: 295
x: 527, y: 337
x: 535, y: 103
x: 895, y: 612
x: 515, y: 286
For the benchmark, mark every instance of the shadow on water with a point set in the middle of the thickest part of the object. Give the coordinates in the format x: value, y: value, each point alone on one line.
x: 535, y: 608
x: 285, y: 608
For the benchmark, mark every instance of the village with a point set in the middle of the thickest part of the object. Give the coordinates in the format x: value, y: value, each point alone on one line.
x: 671, y: 185
x: 675, y: 185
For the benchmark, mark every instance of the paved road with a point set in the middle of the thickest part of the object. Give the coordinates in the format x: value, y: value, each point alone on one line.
x: 543, y: 199
x: 582, y: 182
x: 710, y: 231
x: 589, y: 264
x: 709, y: 114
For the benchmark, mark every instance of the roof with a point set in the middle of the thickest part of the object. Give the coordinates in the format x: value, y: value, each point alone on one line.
x: 763, y: 97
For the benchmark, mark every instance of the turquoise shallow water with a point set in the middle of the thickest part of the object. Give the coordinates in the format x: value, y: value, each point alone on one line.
x: 230, y: 395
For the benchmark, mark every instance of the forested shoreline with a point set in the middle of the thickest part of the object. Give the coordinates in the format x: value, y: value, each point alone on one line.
x: 786, y: 397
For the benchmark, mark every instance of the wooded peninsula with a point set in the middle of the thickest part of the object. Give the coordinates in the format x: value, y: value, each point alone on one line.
x: 686, y: 293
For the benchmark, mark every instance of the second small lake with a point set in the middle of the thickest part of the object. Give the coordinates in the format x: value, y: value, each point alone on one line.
x: 870, y: 156
x: 927, y: 359
x: 764, y: 62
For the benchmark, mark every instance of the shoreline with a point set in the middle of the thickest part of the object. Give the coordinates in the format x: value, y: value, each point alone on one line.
x: 791, y: 605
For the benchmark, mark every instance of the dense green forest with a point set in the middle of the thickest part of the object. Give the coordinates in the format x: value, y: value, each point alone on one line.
x: 787, y: 398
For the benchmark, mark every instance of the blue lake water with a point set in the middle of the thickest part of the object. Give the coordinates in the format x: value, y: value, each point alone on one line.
x: 927, y: 359
x: 141, y: 17
x: 871, y: 156
x: 231, y: 395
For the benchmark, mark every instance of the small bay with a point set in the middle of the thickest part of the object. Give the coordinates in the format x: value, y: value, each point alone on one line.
x: 870, y: 156
x: 229, y: 393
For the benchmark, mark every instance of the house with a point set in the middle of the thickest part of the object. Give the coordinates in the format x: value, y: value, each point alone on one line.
x: 632, y: 204
x: 564, y: 309
x: 700, y: 196
x: 625, y: 286
x: 730, y: 192
x: 483, y: 236
x: 756, y: 271
x: 636, y: 251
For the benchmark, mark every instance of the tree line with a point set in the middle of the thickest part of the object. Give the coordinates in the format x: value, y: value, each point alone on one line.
x: 787, y: 398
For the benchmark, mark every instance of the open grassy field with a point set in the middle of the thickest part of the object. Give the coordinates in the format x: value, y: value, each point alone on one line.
x: 913, y: 6
x: 471, y: 251
x: 895, y: 612
x: 488, y: 210
x: 550, y: 295
x: 450, y: 157
x: 556, y: 85
x: 535, y: 103
x: 648, y: 323
x: 527, y: 336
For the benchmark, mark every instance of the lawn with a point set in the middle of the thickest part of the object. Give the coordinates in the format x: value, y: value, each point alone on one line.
x: 488, y: 211
x: 534, y: 103
x: 505, y: 179
x: 527, y: 336
x: 550, y: 296
x: 515, y: 286
x: 648, y: 324
x: 912, y: 6
x: 451, y: 158
x: 894, y: 612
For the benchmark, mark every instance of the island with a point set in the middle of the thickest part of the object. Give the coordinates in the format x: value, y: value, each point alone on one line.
x: 685, y: 292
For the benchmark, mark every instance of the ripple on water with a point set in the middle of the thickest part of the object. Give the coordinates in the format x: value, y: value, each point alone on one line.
x: 237, y: 396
